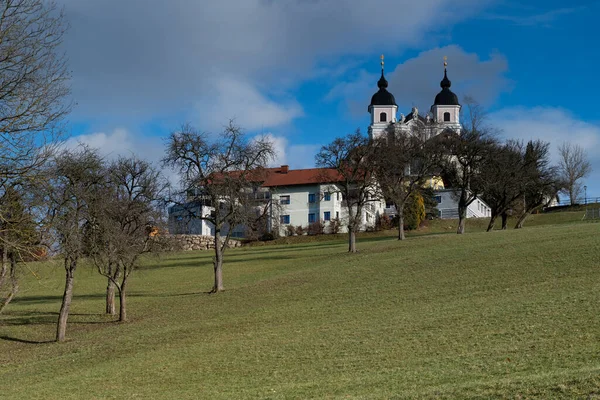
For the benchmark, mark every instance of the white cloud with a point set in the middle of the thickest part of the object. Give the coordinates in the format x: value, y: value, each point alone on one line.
x: 230, y: 98
x: 280, y: 145
x: 297, y: 156
x: 417, y: 80
x: 121, y: 142
x: 136, y: 59
x: 555, y: 125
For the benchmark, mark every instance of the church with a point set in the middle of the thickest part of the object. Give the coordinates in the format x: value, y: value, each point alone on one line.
x: 444, y: 113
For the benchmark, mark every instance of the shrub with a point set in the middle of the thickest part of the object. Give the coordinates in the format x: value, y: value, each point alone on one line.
x: 316, y: 228
x: 299, y: 230
x: 335, y: 225
x: 290, y: 230
x: 383, y: 223
x: 414, y: 211
x: 267, y: 236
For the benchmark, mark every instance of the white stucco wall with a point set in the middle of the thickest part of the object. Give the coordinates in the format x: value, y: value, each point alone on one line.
x: 448, y: 206
x: 299, y: 207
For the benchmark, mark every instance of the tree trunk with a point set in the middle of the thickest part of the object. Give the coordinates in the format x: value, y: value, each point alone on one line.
x: 351, y: 240
x: 504, y: 220
x: 521, y: 220
x: 4, y: 268
x: 14, y: 284
x: 492, y: 222
x: 400, y: 210
x: 218, y: 264
x: 66, y: 301
x: 115, y: 273
x: 462, y: 212
x: 572, y: 197
x: 123, y: 299
x: 462, y: 216
x: 110, y: 298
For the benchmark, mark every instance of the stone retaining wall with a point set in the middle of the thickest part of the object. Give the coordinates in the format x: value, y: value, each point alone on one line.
x: 199, y: 242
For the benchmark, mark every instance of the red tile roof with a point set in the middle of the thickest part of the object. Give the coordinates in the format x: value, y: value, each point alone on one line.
x: 276, y: 176
x: 283, y: 176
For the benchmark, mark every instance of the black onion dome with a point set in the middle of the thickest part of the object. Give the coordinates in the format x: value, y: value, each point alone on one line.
x: 446, y: 97
x: 383, y: 97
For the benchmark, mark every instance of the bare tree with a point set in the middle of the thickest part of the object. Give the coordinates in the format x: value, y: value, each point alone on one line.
x: 216, y: 178
x: 121, y: 223
x: 403, y: 162
x: 76, y: 180
x: 350, y: 158
x: 503, y: 177
x: 20, y: 238
x: 573, y: 167
x: 33, y: 87
x: 468, y: 151
x: 541, y: 181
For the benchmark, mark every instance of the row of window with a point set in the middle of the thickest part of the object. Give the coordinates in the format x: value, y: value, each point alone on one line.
x: 383, y: 117
x: 312, y: 198
x: 312, y: 217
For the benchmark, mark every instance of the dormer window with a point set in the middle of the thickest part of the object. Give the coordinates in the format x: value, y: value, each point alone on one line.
x: 446, y: 117
x: 383, y: 117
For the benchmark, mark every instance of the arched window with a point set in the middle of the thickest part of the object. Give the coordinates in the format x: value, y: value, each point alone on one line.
x: 382, y: 117
x: 446, y: 117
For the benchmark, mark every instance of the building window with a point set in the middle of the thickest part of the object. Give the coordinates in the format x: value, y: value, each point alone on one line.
x: 446, y: 117
x: 338, y: 196
x: 284, y: 199
x: 284, y: 219
x: 383, y: 117
x: 327, y: 216
x: 327, y: 196
x: 337, y: 215
x: 312, y: 218
x: 312, y: 198
x: 438, y: 199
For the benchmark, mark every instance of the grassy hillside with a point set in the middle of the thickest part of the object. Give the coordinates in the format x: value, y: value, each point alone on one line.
x: 482, y: 315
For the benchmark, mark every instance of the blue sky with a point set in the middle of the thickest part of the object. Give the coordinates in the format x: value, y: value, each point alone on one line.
x: 303, y: 71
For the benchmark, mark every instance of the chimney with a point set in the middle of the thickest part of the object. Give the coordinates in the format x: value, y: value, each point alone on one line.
x: 285, y: 169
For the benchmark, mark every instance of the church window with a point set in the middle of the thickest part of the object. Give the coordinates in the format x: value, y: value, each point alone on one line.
x: 446, y: 117
x: 383, y: 117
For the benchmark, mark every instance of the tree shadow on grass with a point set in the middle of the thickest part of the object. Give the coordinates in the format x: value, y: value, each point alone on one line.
x: 230, y: 258
x: 12, y: 339
x: 23, y: 318
x: 52, y: 299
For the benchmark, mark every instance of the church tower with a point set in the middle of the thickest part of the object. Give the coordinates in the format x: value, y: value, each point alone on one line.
x: 383, y: 108
x: 445, y: 108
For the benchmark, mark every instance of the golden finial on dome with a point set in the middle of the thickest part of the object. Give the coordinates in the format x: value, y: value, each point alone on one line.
x: 382, y: 62
x: 445, y: 61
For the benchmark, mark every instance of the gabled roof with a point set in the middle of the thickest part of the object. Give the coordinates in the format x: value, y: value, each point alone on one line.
x: 411, y: 116
x: 283, y: 176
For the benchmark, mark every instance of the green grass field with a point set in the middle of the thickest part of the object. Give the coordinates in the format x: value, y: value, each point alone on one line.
x: 505, y: 314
